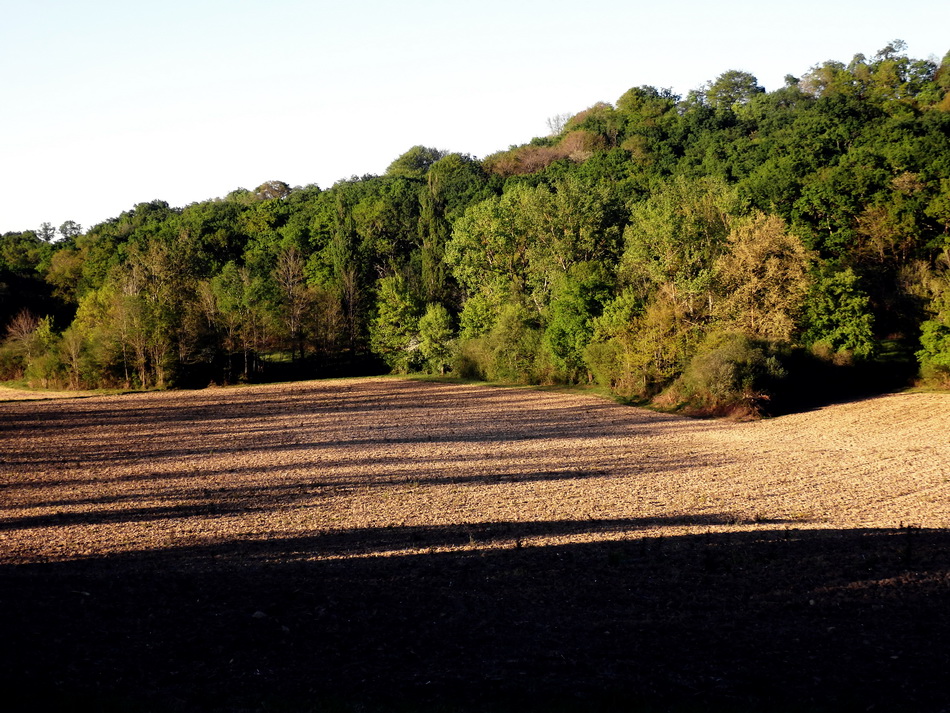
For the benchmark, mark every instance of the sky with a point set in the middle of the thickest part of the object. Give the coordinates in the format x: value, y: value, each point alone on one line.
x: 108, y: 103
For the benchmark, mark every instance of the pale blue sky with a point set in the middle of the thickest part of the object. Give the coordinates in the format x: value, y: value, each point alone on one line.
x: 108, y: 103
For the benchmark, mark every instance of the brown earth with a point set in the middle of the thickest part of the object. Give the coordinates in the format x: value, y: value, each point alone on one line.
x: 396, y: 545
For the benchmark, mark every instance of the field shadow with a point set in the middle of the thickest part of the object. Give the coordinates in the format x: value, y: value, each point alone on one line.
x: 363, y: 414
x: 89, y: 498
x: 231, y: 457
x: 779, y: 620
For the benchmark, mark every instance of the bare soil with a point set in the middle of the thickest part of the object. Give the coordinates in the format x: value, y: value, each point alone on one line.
x: 380, y: 544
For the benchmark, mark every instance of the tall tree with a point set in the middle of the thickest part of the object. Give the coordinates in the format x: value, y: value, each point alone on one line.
x: 394, y: 330
x: 732, y: 88
x: 296, y: 298
x: 763, y: 279
x: 70, y: 230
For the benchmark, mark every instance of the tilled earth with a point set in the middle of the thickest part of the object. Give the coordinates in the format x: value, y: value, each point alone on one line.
x: 380, y: 544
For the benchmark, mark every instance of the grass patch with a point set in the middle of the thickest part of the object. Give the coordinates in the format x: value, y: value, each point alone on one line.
x: 24, y: 386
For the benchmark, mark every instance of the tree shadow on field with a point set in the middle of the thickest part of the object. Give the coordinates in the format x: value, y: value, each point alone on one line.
x: 315, y: 416
x: 785, y: 619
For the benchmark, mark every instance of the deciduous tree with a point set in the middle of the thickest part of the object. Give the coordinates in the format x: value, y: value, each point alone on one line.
x: 762, y: 279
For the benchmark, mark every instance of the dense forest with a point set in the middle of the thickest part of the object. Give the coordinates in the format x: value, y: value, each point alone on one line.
x: 734, y: 249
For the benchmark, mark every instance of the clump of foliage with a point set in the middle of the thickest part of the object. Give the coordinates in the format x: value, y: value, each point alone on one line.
x: 730, y: 374
x: 934, y: 353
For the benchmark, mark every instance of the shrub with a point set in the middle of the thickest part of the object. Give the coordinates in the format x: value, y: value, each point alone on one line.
x: 730, y: 374
x: 46, y: 371
x: 514, y: 343
x: 934, y: 355
x: 603, y: 359
x: 471, y: 359
x: 510, y: 352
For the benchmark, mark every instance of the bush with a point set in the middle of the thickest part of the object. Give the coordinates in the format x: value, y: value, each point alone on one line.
x: 471, y: 359
x: 934, y: 355
x: 12, y: 362
x: 639, y: 349
x: 511, y: 352
x: 46, y: 371
x: 603, y: 359
x: 730, y: 374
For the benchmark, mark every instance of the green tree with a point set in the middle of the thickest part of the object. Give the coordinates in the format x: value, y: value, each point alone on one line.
x: 20, y: 344
x: 296, y: 298
x: 608, y: 355
x: 674, y: 238
x: 394, y: 331
x: 22, y: 253
x: 98, y: 327
x: 155, y: 287
x: 518, y: 244
x: 579, y: 298
x: 70, y: 230
x: 233, y: 304
x: 732, y: 88
x: 934, y: 353
x: 452, y: 184
x: 272, y: 190
x: 43, y: 367
x: 29, y: 350
x: 837, y: 316
x: 46, y: 232
x: 513, y: 346
x: 415, y: 163
x: 488, y: 251
x: 73, y: 351
x: 435, y: 337
x: 650, y: 350
x: 64, y: 274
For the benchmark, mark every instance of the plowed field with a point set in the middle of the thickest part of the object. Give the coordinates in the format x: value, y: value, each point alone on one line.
x: 395, y: 545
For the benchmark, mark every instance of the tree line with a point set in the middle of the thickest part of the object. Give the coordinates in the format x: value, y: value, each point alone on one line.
x: 720, y: 251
